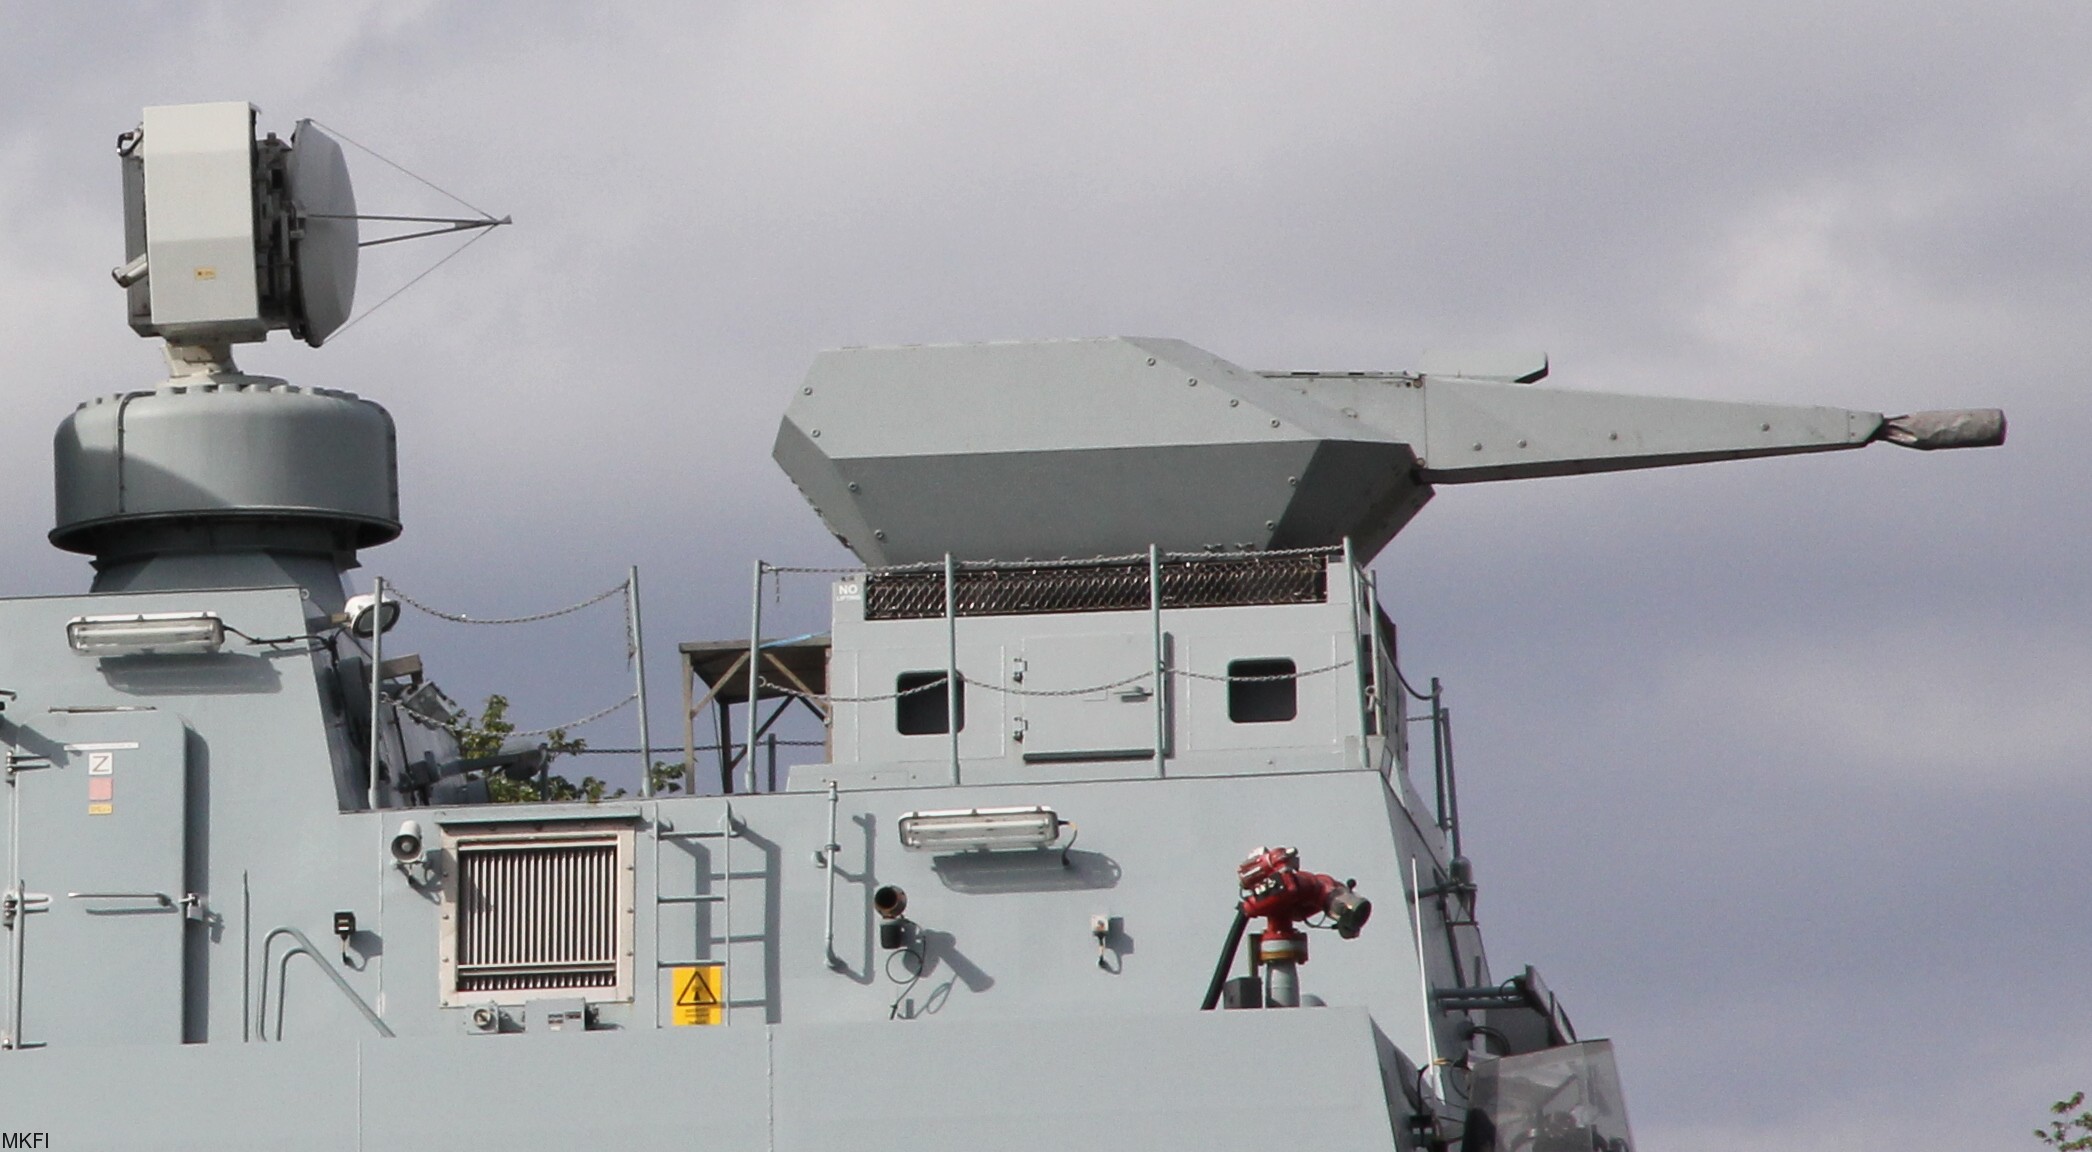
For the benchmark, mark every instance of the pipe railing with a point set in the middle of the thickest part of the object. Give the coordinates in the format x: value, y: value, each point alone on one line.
x: 303, y: 944
x: 1382, y: 712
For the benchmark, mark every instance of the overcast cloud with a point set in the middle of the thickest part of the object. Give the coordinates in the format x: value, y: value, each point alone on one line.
x: 1776, y: 769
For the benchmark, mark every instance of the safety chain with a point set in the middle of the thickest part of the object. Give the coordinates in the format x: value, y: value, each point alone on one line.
x: 392, y: 589
x: 588, y: 719
x: 631, y: 647
x: 1137, y: 678
x: 1069, y: 561
x: 787, y: 690
x: 859, y: 570
x: 1009, y: 691
x: 1262, y: 679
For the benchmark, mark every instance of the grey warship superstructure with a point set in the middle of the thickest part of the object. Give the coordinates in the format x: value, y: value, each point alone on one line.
x: 1121, y: 837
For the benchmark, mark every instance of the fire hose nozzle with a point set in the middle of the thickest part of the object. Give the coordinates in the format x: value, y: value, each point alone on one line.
x: 1349, y: 911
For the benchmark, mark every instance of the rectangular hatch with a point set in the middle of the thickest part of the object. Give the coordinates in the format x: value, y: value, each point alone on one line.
x: 1112, y: 719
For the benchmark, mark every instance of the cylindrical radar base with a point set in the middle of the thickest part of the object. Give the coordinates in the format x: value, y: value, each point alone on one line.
x: 226, y: 481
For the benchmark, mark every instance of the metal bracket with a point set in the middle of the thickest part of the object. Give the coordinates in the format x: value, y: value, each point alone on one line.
x: 25, y: 762
x: 421, y: 874
x: 30, y: 902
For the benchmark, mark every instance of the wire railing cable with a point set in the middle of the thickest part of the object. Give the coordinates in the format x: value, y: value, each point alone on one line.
x: 622, y: 587
x: 937, y: 685
x: 460, y: 618
x: 1057, y: 562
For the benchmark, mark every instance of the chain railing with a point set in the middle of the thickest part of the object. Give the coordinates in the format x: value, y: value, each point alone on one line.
x: 628, y: 588
x: 622, y: 586
x: 937, y: 685
x: 1157, y: 581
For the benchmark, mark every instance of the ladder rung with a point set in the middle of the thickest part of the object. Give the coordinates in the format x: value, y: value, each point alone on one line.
x: 715, y: 958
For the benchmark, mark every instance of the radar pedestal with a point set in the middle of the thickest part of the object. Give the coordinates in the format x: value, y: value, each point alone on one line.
x: 224, y: 481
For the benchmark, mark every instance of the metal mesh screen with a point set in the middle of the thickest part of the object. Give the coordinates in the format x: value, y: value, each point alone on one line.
x: 535, y: 916
x: 1100, y: 586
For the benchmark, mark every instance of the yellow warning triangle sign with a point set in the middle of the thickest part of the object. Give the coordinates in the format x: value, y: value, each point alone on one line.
x: 696, y: 999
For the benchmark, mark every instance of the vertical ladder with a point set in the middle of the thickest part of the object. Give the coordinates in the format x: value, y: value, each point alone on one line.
x: 719, y: 941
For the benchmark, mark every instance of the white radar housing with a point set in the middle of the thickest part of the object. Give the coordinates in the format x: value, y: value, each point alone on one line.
x: 229, y: 237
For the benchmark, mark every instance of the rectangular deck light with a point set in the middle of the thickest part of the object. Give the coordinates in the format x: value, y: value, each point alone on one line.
x: 149, y: 633
x: 980, y: 829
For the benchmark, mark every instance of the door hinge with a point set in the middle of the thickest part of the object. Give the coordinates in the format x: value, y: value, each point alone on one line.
x: 26, y: 903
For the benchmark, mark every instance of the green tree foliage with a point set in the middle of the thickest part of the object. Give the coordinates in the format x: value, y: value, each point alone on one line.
x: 2068, y: 1133
x: 483, y: 736
x: 666, y: 778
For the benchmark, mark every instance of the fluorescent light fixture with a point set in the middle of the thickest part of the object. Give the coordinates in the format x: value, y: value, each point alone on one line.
x: 148, y: 633
x: 980, y: 829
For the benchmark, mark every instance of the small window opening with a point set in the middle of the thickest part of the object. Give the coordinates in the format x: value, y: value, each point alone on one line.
x: 921, y: 710
x: 1252, y: 700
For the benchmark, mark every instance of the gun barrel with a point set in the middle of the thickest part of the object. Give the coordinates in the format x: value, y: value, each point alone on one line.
x: 1947, y: 428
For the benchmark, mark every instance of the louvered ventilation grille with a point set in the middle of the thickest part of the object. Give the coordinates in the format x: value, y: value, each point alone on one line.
x: 1100, y: 586
x: 535, y: 916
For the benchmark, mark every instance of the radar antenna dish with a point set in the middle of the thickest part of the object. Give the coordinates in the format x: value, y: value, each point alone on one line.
x: 324, y: 241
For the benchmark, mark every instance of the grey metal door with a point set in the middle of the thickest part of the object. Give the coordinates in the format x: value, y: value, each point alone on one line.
x: 1114, y: 723
x: 98, y: 809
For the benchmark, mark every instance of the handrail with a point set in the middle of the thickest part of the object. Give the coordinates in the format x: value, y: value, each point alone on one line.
x: 828, y: 852
x: 1159, y: 640
x: 305, y: 945
x: 161, y: 898
x: 953, y: 718
x: 1440, y: 718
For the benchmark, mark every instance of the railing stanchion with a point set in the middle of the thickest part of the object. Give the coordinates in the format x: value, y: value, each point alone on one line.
x: 646, y: 743
x: 1445, y: 719
x: 1354, y: 589
x: 377, y: 682
x: 755, y: 679
x: 689, y: 723
x: 1161, y: 665
x: 951, y: 660
x: 1389, y: 733
x: 1438, y: 755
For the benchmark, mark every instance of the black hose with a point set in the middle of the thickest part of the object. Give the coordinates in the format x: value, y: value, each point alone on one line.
x: 1227, y: 959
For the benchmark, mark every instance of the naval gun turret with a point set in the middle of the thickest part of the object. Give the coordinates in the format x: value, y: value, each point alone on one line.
x: 1078, y: 448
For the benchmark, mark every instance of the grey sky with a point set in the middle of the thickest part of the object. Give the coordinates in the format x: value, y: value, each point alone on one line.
x: 1777, y: 770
